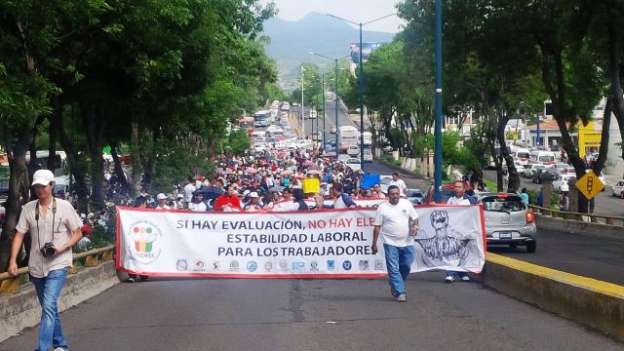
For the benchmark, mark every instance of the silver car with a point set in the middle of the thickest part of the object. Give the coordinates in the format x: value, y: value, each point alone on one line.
x: 508, y: 221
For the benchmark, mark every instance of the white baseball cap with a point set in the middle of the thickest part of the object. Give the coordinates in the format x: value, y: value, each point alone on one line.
x: 161, y: 196
x: 253, y: 194
x: 43, y: 177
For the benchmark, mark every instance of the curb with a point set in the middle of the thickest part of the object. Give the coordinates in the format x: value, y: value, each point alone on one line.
x: 22, y: 310
x: 593, y: 303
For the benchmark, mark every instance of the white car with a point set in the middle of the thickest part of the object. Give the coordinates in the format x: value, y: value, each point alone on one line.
x: 618, y: 189
x: 562, y: 182
x: 354, y: 164
x: 353, y: 150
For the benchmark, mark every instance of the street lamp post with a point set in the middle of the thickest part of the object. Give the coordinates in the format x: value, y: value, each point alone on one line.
x: 361, y: 78
x: 438, y: 102
x: 317, y: 117
x: 302, y: 108
x: 335, y: 97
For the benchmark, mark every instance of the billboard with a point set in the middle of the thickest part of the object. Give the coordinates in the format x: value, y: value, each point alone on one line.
x: 366, y: 51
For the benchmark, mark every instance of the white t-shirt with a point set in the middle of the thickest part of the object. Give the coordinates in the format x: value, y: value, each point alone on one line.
x: 166, y: 207
x: 399, y: 183
x: 285, y: 206
x: 198, y: 207
x: 189, y: 189
x: 454, y: 200
x: 394, y: 222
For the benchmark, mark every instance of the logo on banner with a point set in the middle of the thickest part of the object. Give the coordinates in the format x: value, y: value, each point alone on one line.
x: 347, y: 265
x: 363, y: 265
x: 181, y: 265
x: 199, y: 266
x: 283, y: 265
x: 298, y: 266
x: 379, y: 265
x: 268, y: 266
x: 331, y: 265
x: 252, y: 266
x: 234, y: 267
x: 314, y: 266
x: 216, y: 266
x: 145, y: 236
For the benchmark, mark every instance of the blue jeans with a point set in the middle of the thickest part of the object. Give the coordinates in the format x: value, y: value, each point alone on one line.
x: 398, y: 262
x: 48, y: 291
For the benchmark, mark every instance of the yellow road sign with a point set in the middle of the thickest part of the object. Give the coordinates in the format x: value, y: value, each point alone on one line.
x: 590, y: 185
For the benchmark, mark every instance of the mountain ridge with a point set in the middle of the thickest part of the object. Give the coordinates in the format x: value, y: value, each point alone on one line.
x: 291, y: 42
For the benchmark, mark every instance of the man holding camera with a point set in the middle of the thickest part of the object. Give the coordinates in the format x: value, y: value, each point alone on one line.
x: 54, y: 227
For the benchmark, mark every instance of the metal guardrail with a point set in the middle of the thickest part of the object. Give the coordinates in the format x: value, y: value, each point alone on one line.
x: 92, y: 258
x: 578, y: 216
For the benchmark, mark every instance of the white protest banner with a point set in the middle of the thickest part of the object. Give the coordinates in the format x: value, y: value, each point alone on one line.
x: 316, y: 244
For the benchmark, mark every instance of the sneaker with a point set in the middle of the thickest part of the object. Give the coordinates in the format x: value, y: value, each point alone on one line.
x: 449, y: 279
x: 465, y: 278
x: 131, y: 280
x: 59, y: 349
x: 401, y: 298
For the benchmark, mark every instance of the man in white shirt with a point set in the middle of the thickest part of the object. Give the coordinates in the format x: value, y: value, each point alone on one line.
x: 459, y: 199
x: 189, y: 189
x: 400, y: 183
x: 397, y: 221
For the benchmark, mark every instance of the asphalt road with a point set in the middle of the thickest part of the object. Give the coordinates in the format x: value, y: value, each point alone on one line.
x: 200, y: 315
x: 605, y: 203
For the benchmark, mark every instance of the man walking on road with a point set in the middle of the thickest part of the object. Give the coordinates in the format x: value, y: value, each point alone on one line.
x: 459, y: 199
x: 397, y: 221
x: 54, y: 227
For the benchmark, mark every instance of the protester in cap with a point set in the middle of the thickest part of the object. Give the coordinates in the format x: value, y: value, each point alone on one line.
x: 162, y: 202
x: 254, y: 202
x: 397, y: 222
x: 55, y: 228
x: 198, y: 204
x: 228, y: 202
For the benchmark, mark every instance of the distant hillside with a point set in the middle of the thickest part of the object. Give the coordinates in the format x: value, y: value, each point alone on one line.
x: 291, y: 42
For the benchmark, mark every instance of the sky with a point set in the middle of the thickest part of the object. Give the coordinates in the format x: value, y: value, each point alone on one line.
x: 354, y: 10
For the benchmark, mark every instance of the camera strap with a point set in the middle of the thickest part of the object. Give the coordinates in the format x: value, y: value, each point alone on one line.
x: 37, y: 219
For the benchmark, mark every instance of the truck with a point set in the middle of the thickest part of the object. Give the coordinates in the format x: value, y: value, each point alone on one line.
x: 347, y: 135
x: 262, y: 118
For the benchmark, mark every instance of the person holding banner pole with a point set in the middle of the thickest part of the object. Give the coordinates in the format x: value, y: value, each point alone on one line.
x: 458, y: 199
x: 397, y: 222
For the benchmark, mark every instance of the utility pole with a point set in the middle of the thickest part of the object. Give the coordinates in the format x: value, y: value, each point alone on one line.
x: 324, y: 115
x: 336, y: 108
x: 302, y: 107
x: 438, y: 102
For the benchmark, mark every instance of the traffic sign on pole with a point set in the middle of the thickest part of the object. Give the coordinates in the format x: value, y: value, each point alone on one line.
x: 590, y: 185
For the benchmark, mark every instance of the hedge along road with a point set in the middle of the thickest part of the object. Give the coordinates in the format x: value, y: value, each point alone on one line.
x: 312, y: 315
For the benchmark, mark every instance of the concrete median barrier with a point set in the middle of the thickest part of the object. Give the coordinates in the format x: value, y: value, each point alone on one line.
x: 596, y: 230
x: 596, y: 304
x: 22, y: 310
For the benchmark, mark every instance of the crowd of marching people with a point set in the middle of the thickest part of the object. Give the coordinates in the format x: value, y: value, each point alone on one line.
x: 274, y: 180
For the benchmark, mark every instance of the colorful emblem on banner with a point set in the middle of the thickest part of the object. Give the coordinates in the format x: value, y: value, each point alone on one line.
x: 145, y: 236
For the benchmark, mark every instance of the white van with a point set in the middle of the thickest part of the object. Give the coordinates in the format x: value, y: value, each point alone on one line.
x: 546, y: 158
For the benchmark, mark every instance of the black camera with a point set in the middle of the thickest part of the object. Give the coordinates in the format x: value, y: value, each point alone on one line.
x: 48, y: 250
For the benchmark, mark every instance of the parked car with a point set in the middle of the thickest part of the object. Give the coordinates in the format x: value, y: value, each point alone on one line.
x: 508, y: 221
x: 618, y: 189
x: 561, y: 183
x: 384, y: 180
x: 542, y: 174
x: 415, y: 196
x: 529, y: 170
